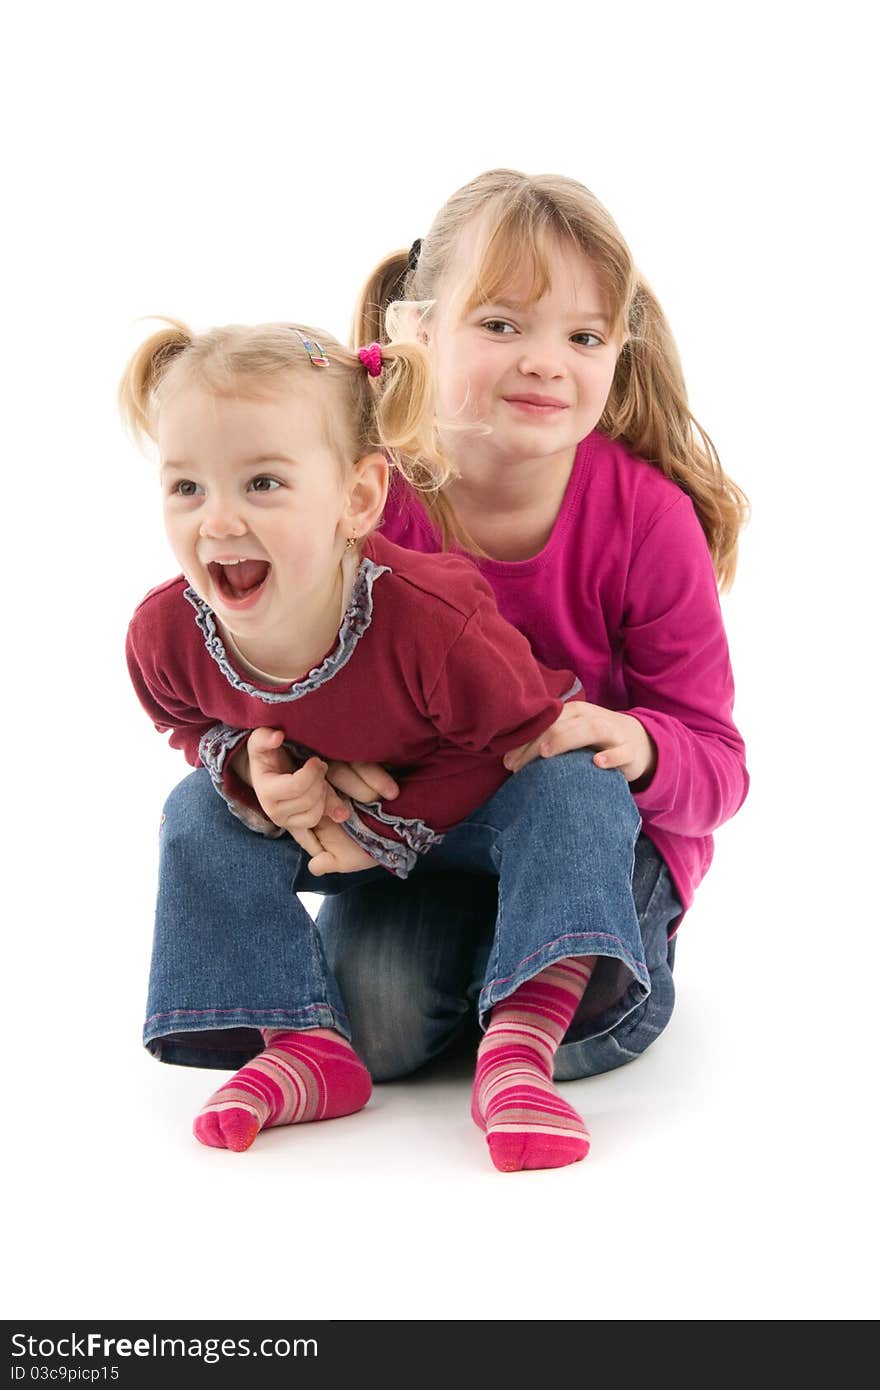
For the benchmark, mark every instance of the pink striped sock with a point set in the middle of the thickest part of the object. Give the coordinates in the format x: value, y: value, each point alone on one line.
x: 315, y: 1075
x: 527, y: 1123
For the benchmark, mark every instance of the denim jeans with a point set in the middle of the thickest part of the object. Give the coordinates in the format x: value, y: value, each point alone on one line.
x: 543, y: 870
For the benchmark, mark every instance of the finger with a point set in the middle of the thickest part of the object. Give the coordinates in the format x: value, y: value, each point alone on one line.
x: 264, y: 751
x: 376, y: 776
x: 308, y: 780
x: 296, y: 793
x: 322, y: 863
x: 334, y: 807
x: 518, y: 757
x: 613, y: 757
x: 300, y: 819
x: 363, y: 781
x: 561, y: 737
x: 262, y: 739
x: 307, y: 841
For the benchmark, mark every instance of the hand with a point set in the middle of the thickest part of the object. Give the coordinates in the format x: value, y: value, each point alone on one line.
x: 332, y: 851
x: 366, y: 782
x: 293, y: 800
x: 623, y: 741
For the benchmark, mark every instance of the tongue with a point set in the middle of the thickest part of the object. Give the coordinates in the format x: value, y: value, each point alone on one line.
x: 248, y: 574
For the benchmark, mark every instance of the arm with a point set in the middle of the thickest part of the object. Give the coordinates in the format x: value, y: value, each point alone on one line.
x: 679, y: 680
x: 676, y: 743
x: 204, y: 742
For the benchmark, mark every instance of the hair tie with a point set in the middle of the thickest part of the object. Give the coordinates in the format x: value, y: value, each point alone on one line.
x: 317, y: 356
x: 372, y: 358
x: 414, y: 253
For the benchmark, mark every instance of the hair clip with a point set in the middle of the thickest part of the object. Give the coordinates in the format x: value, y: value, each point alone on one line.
x: 372, y: 358
x: 316, y: 352
x: 414, y: 250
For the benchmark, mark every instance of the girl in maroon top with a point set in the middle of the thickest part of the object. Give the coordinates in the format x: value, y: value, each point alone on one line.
x: 293, y: 625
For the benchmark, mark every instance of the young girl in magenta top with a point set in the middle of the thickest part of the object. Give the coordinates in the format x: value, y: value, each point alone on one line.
x: 598, y: 512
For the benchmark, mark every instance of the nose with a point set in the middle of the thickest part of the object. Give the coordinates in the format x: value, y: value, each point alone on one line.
x: 542, y: 356
x: 221, y: 517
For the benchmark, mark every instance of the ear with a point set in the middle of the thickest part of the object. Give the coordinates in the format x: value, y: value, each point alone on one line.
x: 366, y: 493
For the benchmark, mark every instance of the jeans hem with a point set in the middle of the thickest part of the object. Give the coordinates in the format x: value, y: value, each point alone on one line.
x: 572, y: 944
x: 216, y: 1038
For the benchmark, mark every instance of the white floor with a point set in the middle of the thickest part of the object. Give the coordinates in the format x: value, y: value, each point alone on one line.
x: 728, y: 1179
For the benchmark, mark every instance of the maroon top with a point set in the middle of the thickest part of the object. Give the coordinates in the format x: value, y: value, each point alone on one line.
x: 425, y: 678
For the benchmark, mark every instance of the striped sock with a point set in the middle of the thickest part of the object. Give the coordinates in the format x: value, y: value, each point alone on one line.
x: 527, y: 1124
x: 315, y: 1075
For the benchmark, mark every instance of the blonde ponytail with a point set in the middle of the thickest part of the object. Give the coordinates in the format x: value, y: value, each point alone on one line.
x: 145, y: 370
x: 404, y: 415
x: 648, y: 408
x: 387, y: 283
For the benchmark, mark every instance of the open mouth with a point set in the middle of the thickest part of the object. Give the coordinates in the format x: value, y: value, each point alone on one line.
x: 241, y: 581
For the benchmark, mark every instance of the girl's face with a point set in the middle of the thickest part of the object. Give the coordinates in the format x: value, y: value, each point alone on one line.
x: 538, y: 375
x: 255, y: 504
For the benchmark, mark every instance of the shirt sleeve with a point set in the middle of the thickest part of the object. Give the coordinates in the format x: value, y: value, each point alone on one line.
x: 677, y: 672
x: 492, y: 694
x: 204, y: 742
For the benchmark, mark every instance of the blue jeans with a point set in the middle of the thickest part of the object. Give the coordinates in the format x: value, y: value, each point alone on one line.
x: 542, y: 871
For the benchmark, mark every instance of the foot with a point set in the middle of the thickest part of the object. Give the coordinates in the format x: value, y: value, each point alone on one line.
x: 526, y: 1122
x: 315, y: 1075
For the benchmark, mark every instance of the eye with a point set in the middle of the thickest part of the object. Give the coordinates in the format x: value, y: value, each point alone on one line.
x: 579, y: 339
x: 185, y: 487
x: 500, y: 327
x: 264, y: 484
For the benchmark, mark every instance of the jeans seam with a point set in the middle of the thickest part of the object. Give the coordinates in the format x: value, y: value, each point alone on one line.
x: 278, y: 1009
x: 574, y: 936
x: 646, y: 911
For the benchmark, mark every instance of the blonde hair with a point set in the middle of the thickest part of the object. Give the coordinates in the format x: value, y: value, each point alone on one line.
x: 394, y: 412
x: 521, y: 219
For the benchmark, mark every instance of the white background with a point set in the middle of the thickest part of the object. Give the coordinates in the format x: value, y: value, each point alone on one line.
x: 222, y: 162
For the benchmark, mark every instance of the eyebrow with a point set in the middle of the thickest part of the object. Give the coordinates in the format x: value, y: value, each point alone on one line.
x: 587, y: 317
x: 256, y: 462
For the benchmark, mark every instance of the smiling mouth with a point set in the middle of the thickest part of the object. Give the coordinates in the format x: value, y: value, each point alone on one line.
x: 537, y: 404
x: 240, y: 581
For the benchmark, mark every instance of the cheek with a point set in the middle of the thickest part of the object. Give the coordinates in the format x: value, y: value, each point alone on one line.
x: 462, y: 386
x: 597, y: 384
x: 177, y: 533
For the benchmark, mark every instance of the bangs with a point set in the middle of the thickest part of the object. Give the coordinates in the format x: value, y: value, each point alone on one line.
x: 512, y: 257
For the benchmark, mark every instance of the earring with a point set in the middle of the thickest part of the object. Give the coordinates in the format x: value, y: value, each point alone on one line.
x: 351, y: 542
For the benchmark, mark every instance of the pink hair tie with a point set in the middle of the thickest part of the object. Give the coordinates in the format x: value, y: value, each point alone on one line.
x: 372, y: 358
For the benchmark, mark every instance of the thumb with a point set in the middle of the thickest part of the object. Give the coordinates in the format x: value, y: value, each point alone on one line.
x: 263, y: 749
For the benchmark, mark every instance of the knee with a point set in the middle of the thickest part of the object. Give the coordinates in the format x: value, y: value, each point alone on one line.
x: 193, y: 797
x: 391, y: 1046
x: 196, y: 819
x: 572, y: 785
x: 395, y: 1029
x: 400, y: 1017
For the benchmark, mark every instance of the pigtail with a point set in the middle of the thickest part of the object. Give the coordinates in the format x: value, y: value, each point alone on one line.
x: 144, y: 372
x: 386, y: 284
x: 648, y: 408
x: 404, y: 396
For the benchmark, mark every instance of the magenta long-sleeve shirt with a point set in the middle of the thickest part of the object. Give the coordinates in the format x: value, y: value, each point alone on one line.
x: 624, y: 594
